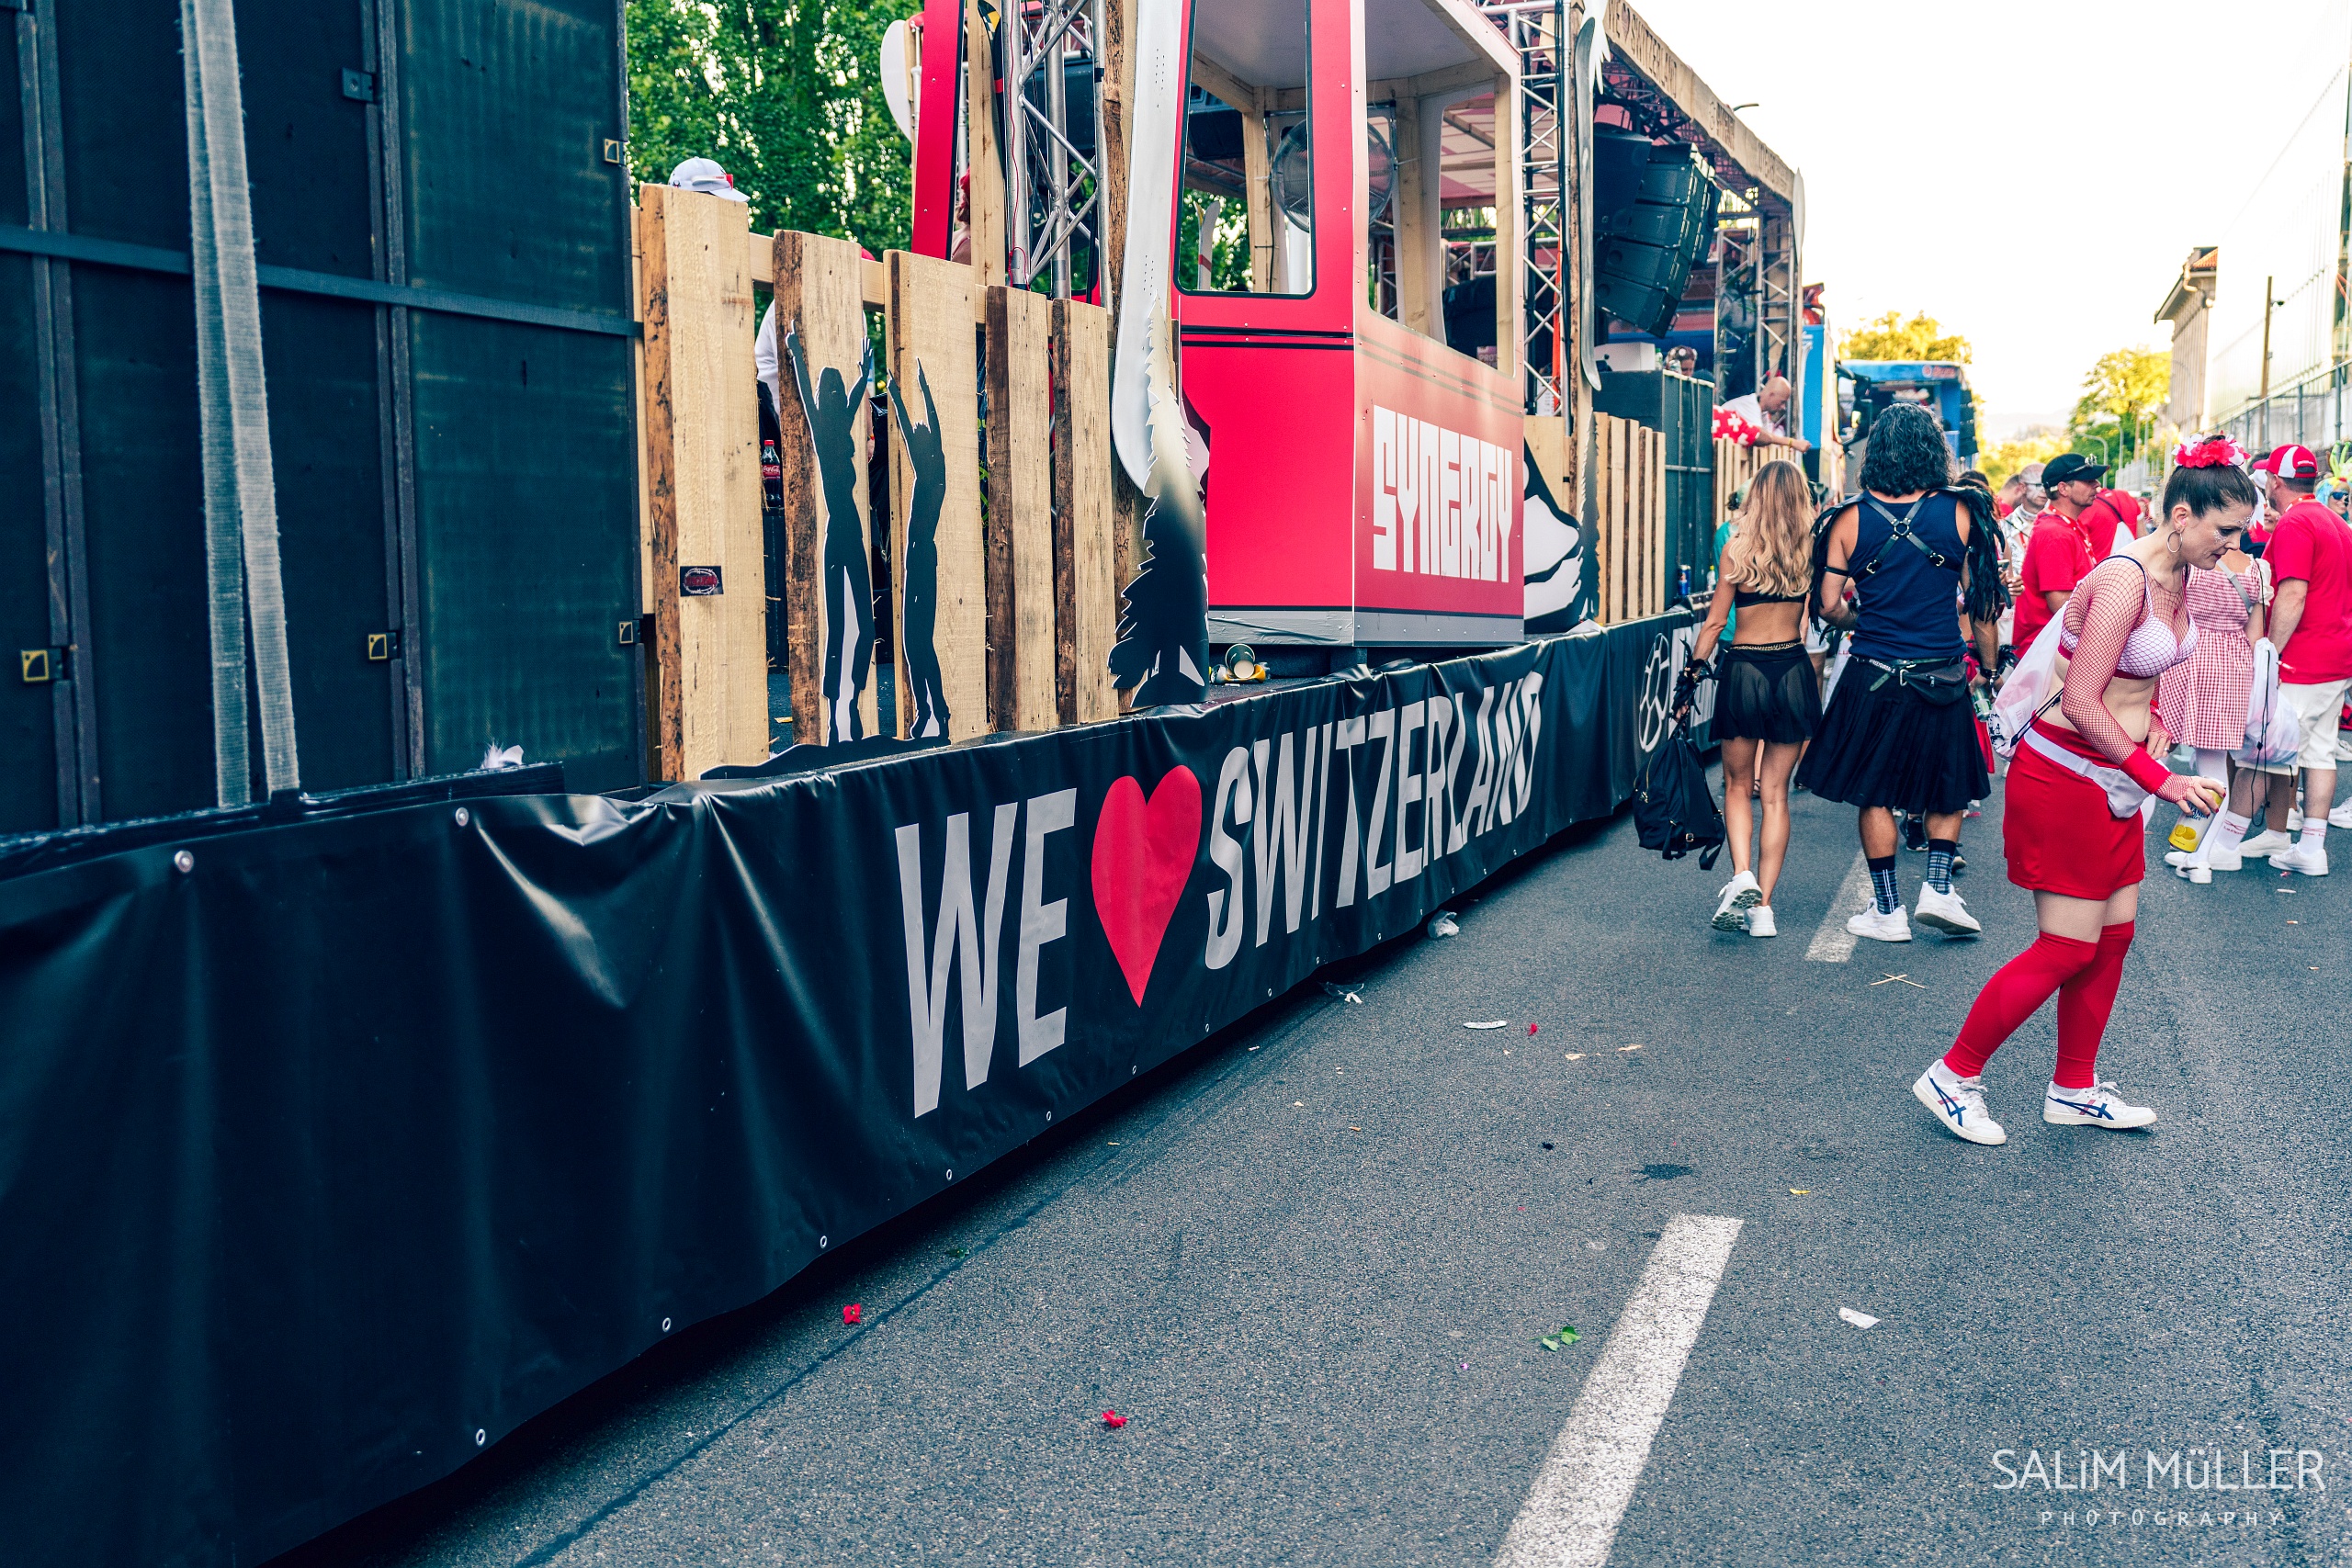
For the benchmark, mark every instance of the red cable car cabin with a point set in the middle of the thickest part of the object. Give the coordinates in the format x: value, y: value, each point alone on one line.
x: 1350, y: 324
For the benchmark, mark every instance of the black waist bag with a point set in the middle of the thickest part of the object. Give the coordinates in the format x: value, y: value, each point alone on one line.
x: 1938, y: 682
x: 1674, y: 811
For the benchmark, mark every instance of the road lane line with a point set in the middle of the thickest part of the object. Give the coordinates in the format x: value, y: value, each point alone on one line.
x: 1571, y: 1515
x: 1833, y: 943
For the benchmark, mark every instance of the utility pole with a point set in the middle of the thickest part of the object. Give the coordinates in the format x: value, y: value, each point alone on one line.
x: 2269, y: 289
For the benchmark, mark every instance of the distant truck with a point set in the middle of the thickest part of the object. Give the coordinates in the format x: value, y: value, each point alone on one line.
x: 1867, y: 387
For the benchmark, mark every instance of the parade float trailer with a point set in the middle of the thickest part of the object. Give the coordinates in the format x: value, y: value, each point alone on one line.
x: 358, y: 1107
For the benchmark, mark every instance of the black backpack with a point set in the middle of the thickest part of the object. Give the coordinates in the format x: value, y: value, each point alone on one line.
x: 1674, y: 811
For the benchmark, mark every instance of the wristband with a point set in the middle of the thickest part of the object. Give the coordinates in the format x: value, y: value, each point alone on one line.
x: 2145, y: 771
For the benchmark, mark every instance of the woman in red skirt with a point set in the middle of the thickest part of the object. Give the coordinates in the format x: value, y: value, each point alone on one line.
x: 2072, y: 823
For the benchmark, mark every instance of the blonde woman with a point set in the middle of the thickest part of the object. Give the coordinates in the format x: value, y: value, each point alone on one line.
x: 1768, y: 697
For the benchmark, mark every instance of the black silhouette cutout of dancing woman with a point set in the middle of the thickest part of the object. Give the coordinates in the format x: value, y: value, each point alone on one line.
x: 926, y: 699
x: 836, y: 428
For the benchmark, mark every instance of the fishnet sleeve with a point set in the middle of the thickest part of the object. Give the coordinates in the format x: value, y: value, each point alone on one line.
x: 2110, y: 601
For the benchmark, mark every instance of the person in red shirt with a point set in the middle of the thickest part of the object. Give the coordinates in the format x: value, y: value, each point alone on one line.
x: 2309, y: 557
x: 2055, y: 559
x: 2110, y: 522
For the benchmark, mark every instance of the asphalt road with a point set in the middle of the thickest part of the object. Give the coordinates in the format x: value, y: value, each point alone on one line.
x: 1311, y: 1261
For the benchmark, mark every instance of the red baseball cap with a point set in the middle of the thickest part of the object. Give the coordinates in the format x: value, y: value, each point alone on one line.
x: 2291, y: 462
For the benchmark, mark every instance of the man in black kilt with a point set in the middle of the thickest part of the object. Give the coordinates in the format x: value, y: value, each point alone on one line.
x: 1900, y: 735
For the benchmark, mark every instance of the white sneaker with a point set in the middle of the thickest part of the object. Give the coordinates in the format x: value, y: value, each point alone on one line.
x: 2308, y: 858
x: 1760, y: 922
x: 2341, y: 816
x: 2178, y: 858
x: 1739, y: 895
x: 1945, y: 912
x: 1894, y: 926
x: 2195, y: 873
x: 1961, y: 1109
x: 2219, y: 859
x: 2099, y: 1106
x: 2294, y: 821
x: 2269, y: 841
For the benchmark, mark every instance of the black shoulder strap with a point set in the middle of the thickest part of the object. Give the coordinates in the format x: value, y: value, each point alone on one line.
x: 1900, y: 528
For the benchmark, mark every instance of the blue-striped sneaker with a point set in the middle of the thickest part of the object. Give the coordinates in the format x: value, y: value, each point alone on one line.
x: 2099, y: 1106
x: 1958, y: 1104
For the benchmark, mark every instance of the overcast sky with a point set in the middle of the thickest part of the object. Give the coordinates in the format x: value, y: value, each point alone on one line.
x: 2031, y: 172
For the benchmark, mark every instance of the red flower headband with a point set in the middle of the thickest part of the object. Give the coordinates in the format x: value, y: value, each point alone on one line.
x: 2212, y: 452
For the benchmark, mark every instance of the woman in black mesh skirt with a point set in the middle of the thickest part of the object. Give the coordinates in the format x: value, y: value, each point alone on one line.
x: 1767, y: 694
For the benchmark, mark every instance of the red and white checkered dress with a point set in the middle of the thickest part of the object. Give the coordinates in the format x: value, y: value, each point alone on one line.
x: 2203, y: 701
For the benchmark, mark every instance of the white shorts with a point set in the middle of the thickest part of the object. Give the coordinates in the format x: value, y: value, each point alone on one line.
x: 2319, y: 707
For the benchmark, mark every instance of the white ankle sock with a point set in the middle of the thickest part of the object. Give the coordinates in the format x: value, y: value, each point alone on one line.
x: 2314, y: 831
x: 2228, y: 830
x: 1944, y: 1074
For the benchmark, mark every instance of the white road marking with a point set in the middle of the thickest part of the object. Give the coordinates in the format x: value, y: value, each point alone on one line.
x: 1571, y: 1515
x: 1833, y: 943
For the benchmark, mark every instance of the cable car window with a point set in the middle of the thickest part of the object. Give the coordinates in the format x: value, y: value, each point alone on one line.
x: 1246, y: 221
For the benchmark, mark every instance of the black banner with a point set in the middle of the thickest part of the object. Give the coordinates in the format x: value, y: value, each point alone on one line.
x: 331, y: 1152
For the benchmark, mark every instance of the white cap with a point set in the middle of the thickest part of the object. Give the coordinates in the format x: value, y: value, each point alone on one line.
x: 705, y: 174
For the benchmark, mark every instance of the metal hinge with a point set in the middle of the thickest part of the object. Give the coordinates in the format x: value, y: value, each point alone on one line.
x: 39, y: 666
x: 359, y: 85
x: 383, y: 646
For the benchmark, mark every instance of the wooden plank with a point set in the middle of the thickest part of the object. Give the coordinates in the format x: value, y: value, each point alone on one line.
x: 1601, y: 552
x: 702, y: 480
x: 1086, y: 592
x: 985, y: 190
x: 1020, y: 589
x: 1621, y: 440
x: 828, y: 512
x: 1658, y: 523
x: 938, y: 562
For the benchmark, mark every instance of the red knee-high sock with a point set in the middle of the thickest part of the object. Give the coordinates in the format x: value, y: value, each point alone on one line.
x: 2084, y: 1003
x: 2014, y: 994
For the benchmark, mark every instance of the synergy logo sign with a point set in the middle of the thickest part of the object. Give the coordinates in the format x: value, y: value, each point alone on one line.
x: 1441, y: 499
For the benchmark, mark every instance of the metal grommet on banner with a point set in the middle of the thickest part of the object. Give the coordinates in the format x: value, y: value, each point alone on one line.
x: 480, y: 1437
x: 951, y: 1175
x: 184, y: 861
x: 1049, y: 1115
x: 464, y: 817
x: 823, y: 1242
x: 665, y: 1326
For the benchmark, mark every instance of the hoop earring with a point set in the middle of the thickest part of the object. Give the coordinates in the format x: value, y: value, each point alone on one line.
x: 2172, y: 543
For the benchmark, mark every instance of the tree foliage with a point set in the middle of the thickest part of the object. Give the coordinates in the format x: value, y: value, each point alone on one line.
x: 2123, y: 396
x: 1890, y: 337
x: 2002, y: 459
x: 787, y: 95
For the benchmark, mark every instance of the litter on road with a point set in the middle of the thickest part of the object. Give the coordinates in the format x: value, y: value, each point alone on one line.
x: 1800, y: 1191
x: 853, y: 1312
x: 1492, y: 1024
x: 1634, y: 1047
x: 1572, y: 1056
x: 1859, y: 1319
x: 1113, y: 1420
x: 1443, y: 923
x: 1331, y: 991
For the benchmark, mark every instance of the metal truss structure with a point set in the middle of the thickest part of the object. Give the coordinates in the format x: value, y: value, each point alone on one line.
x: 1052, y: 188
x: 1538, y: 30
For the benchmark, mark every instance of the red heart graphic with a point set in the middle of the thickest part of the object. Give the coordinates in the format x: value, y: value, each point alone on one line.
x: 1143, y: 857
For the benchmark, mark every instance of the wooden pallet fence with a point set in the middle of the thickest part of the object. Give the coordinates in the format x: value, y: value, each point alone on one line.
x: 702, y: 483
x: 1628, y: 548
x: 996, y: 619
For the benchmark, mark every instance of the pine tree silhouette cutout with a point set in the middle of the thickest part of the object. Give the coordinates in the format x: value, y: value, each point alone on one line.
x: 1164, y: 646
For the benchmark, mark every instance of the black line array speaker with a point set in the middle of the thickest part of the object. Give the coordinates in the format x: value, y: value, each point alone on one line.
x: 1654, y: 208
